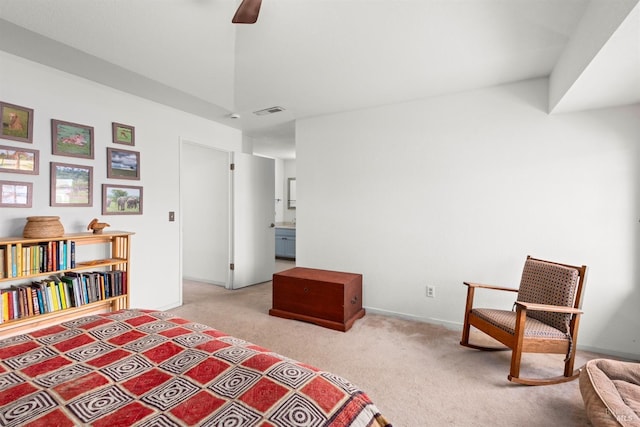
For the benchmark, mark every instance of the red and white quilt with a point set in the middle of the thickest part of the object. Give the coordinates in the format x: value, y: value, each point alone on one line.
x: 150, y: 368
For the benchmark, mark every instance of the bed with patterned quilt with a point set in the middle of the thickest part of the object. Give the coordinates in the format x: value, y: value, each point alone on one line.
x: 152, y: 368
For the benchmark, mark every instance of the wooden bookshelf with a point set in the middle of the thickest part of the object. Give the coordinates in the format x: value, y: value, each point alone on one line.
x: 117, y: 260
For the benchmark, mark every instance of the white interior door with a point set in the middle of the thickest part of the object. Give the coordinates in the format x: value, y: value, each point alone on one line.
x: 253, y: 218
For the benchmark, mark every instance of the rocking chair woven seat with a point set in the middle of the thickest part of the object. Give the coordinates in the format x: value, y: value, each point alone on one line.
x: 506, y: 320
x: 545, y: 319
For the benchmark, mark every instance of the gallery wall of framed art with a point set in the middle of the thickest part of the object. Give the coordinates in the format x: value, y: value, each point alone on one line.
x: 71, y: 169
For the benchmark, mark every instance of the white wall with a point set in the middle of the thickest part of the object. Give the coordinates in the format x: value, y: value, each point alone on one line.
x: 463, y: 187
x: 156, y: 246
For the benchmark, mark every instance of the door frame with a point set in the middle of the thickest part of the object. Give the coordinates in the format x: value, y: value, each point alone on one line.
x: 229, y: 192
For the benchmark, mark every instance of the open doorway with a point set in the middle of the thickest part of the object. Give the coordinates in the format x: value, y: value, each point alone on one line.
x: 206, y: 213
x: 227, y: 219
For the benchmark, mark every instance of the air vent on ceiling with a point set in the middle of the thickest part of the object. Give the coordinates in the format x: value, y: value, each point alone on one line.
x: 269, y: 110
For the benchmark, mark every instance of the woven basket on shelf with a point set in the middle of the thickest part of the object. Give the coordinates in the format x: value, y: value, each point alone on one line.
x: 39, y: 227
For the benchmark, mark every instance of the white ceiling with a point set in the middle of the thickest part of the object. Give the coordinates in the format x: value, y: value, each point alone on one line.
x: 315, y: 57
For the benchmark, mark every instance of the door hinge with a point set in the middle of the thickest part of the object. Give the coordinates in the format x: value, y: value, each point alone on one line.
x: 232, y: 166
x: 232, y: 266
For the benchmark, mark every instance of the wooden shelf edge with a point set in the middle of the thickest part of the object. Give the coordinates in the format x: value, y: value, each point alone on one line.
x: 84, y: 236
x: 28, y: 324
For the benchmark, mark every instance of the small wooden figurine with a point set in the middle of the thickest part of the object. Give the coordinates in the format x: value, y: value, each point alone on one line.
x: 97, y: 226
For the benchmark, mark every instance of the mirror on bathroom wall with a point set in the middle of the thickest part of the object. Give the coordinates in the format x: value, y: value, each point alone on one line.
x: 291, y: 193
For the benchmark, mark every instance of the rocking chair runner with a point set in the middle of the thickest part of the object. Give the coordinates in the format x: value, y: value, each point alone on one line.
x: 545, y: 320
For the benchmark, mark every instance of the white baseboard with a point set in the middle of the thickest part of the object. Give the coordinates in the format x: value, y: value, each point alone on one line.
x: 170, y: 306
x: 608, y: 352
x: 446, y: 323
x: 455, y: 326
x: 210, y: 282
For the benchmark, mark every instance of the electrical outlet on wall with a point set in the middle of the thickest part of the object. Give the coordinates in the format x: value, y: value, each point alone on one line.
x: 431, y: 291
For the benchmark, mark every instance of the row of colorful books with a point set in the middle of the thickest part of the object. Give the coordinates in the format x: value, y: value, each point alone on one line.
x: 23, y: 260
x: 72, y: 289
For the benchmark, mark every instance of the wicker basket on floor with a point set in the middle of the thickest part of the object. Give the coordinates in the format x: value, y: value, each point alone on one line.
x: 43, y: 227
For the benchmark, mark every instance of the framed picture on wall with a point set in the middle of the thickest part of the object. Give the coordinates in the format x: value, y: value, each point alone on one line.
x: 71, y: 139
x: 71, y: 185
x: 123, y: 134
x: 16, y: 194
x: 121, y: 200
x: 17, y: 122
x: 18, y: 160
x: 123, y: 164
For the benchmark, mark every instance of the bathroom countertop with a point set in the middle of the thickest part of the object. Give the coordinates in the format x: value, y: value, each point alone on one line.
x: 291, y: 225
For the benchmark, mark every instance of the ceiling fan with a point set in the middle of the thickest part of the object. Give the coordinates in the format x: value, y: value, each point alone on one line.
x: 247, y: 12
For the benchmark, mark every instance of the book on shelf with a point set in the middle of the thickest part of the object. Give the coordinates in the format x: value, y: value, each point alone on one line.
x: 62, y: 300
x: 6, y: 305
x: 73, y: 291
x: 25, y: 292
x: 37, y: 292
x: 62, y: 255
x: 8, y: 261
x: 53, y: 296
x: 12, y: 303
x: 17, y: 267
x: 50, y: 256
x: 72, y: 256
x: 37, y: 300
x: 27, y: 268
x: 46, y: 294
x: 24, y: 261
x: 41, y: 299
x: 14, y: 258
x: 42, y: 257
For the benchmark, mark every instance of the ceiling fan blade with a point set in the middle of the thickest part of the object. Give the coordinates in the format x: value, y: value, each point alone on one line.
x: 247, y: 12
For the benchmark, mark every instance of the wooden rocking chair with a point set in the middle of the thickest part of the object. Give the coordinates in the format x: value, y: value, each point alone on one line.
x: 545, y: 320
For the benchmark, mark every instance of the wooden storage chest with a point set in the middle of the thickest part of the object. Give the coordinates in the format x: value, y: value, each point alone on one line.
x: 327, y: 298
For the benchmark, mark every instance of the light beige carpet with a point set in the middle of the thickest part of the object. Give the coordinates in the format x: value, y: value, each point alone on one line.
x: 416, y: 373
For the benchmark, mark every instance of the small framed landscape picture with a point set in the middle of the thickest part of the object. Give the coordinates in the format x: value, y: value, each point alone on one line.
x: 15, y: 194
x: 121, y: 200
x: 71, y: 139
x: 17, y: 122
x: 123, y: 164
x: 71, y: 185
x: 18, y: 160
x: 123, y: 134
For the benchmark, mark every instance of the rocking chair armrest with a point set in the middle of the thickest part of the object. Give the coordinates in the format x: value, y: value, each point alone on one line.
x: 547, y: 307
x: 485, y: 286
